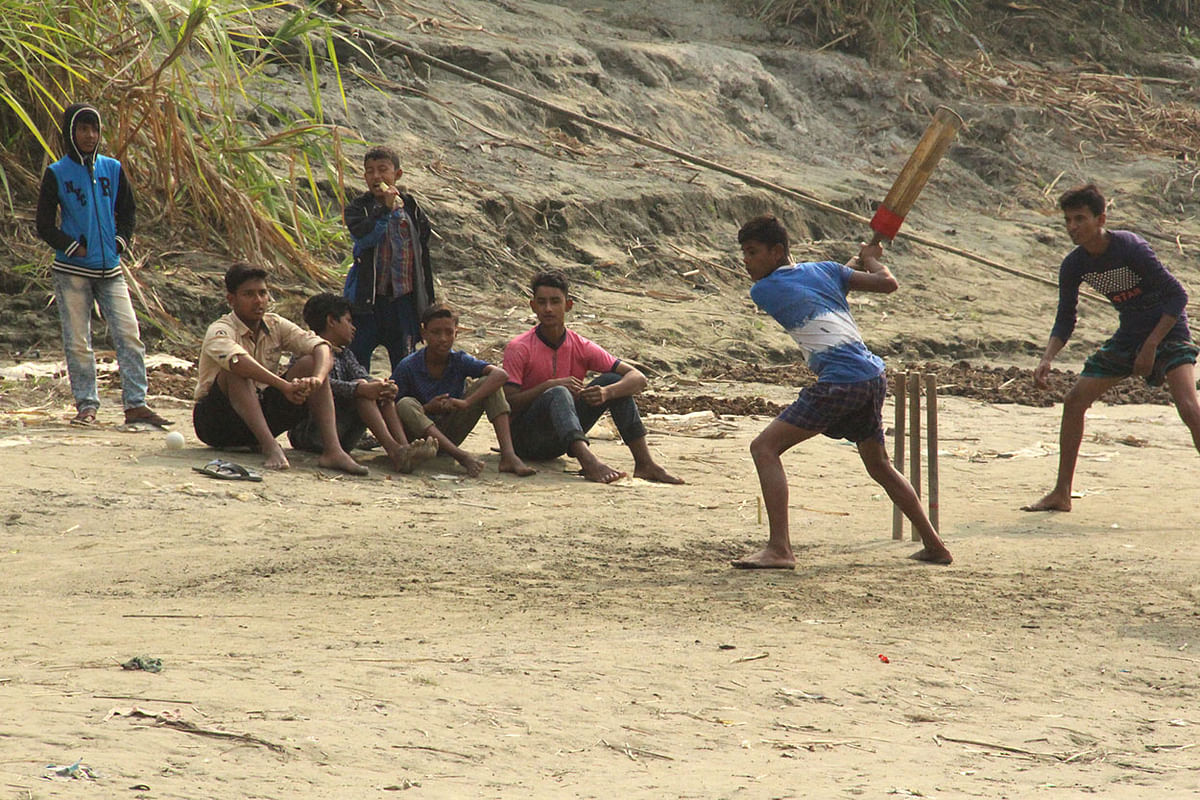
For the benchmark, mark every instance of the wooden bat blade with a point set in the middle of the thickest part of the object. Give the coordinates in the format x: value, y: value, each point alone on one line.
x: 915, y: 173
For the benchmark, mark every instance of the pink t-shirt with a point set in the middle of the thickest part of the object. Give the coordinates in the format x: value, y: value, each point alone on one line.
x: 528, y: 360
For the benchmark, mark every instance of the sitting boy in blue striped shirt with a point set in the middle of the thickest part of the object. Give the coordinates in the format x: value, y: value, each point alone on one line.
x: 360, y: 402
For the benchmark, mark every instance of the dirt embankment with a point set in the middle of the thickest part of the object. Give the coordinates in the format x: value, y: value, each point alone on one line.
x: 648, y: 238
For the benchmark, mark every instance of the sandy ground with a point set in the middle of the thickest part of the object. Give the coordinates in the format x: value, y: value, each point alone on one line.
x: 438, y: 637
x: 325, y: 636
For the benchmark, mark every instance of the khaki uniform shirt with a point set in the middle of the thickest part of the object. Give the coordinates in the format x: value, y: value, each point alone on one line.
x: 229, y: 337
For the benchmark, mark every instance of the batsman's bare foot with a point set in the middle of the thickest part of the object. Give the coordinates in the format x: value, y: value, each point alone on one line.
x: 472, y: 465
x: 599, y: 472
x: 343, y: 463
x: 655, y: 473
x: 766, y: 559
x: 516, y: 467
x: 275, y: 458
x: 933, y: 556
x: 1054, y: 501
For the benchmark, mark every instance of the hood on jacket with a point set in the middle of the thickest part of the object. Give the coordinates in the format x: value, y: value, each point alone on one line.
x: 72, y: 116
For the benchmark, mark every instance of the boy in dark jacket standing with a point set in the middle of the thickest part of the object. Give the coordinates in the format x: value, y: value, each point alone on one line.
x: 86, y: 212
x: 391, y: 282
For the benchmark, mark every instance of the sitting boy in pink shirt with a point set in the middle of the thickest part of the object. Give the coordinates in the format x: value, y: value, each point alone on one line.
x: 552, y: 407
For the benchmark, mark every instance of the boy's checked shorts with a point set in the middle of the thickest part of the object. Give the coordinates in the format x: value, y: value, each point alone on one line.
x: 852, y: 411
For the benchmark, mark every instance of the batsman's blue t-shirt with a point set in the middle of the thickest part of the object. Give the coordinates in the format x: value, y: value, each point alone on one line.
x: 809, y: 301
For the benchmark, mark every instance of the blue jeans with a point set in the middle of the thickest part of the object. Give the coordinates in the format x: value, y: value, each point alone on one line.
x: 392, y: 323
x: 556, y: 420
x: 75, y: 296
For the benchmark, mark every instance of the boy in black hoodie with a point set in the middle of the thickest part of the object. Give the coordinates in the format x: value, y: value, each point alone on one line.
x: 85, y: 212
x: 391, y: 282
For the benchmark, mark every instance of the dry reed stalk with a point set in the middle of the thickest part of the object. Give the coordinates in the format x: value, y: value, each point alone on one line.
x: 1116, y: 108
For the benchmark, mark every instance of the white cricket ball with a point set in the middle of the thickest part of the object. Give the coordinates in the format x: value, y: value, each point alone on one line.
x: 175, y: 440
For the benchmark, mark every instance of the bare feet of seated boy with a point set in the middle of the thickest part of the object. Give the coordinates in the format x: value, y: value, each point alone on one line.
x: 407, y: 456
x: 599, y: 472
x: 515, y: 466
x: 275, y: 458
x: 343, y: 463
x: 657, y: 474
x: 471, y: 464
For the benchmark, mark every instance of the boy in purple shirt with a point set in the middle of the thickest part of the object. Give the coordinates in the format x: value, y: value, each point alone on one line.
x: 444, y: 391
x: 809, y: 301
x: 1152, y: 339
x: 552, y: 407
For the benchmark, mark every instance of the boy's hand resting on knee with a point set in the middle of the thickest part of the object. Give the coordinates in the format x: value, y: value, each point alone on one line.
x: 298, y: 390
x: 376, y: 390
x: 594, y: 395
x: 444, y: 404
x: 574, y: 385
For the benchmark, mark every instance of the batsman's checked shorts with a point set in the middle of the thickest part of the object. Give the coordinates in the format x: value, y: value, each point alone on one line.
x: 1114, y: 361
x: 852, y: 411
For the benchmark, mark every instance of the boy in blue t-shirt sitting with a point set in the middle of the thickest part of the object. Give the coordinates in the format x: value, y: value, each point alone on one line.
x: 809, y: 301
x: 437, y: 401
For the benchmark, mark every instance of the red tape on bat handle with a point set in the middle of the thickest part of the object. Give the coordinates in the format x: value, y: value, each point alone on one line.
x: 886, y: 223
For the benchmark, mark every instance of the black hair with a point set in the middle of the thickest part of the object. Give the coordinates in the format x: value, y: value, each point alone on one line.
x: 554, y: 278
x: 240, y: 272
x: 764, y: 229
x: 437, y: 311
x: 1087, y: 196
x: 320, y: 307
x: 380, y: 152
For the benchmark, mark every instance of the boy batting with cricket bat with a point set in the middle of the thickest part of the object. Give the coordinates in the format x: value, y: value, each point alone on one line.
x: 809, y: 301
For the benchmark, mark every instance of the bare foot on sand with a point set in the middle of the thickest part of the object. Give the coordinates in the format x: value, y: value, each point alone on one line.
x: 517, y: 467
x: 407, y: 456
x: 599, y: 472
x: 657, y: 474
x: 402, y: 458
x: 766, y: 559
x: 1051, y: 502
x: 424, y: 449
x: 471, y: 464
x: 933, y: 556
x: 343, y: 463
x: 276, y: 459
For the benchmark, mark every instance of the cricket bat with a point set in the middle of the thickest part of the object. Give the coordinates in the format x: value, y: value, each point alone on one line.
x: 913, y: 177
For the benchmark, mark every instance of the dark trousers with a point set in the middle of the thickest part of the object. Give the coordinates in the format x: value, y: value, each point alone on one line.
x: 350, y: 429
x: 392, y: 323
x: 556, y: 420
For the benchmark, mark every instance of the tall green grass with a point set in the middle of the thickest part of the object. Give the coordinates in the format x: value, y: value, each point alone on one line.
x: 195, y: 106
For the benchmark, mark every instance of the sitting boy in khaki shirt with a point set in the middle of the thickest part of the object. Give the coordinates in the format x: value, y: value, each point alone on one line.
x: 241, y: 399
